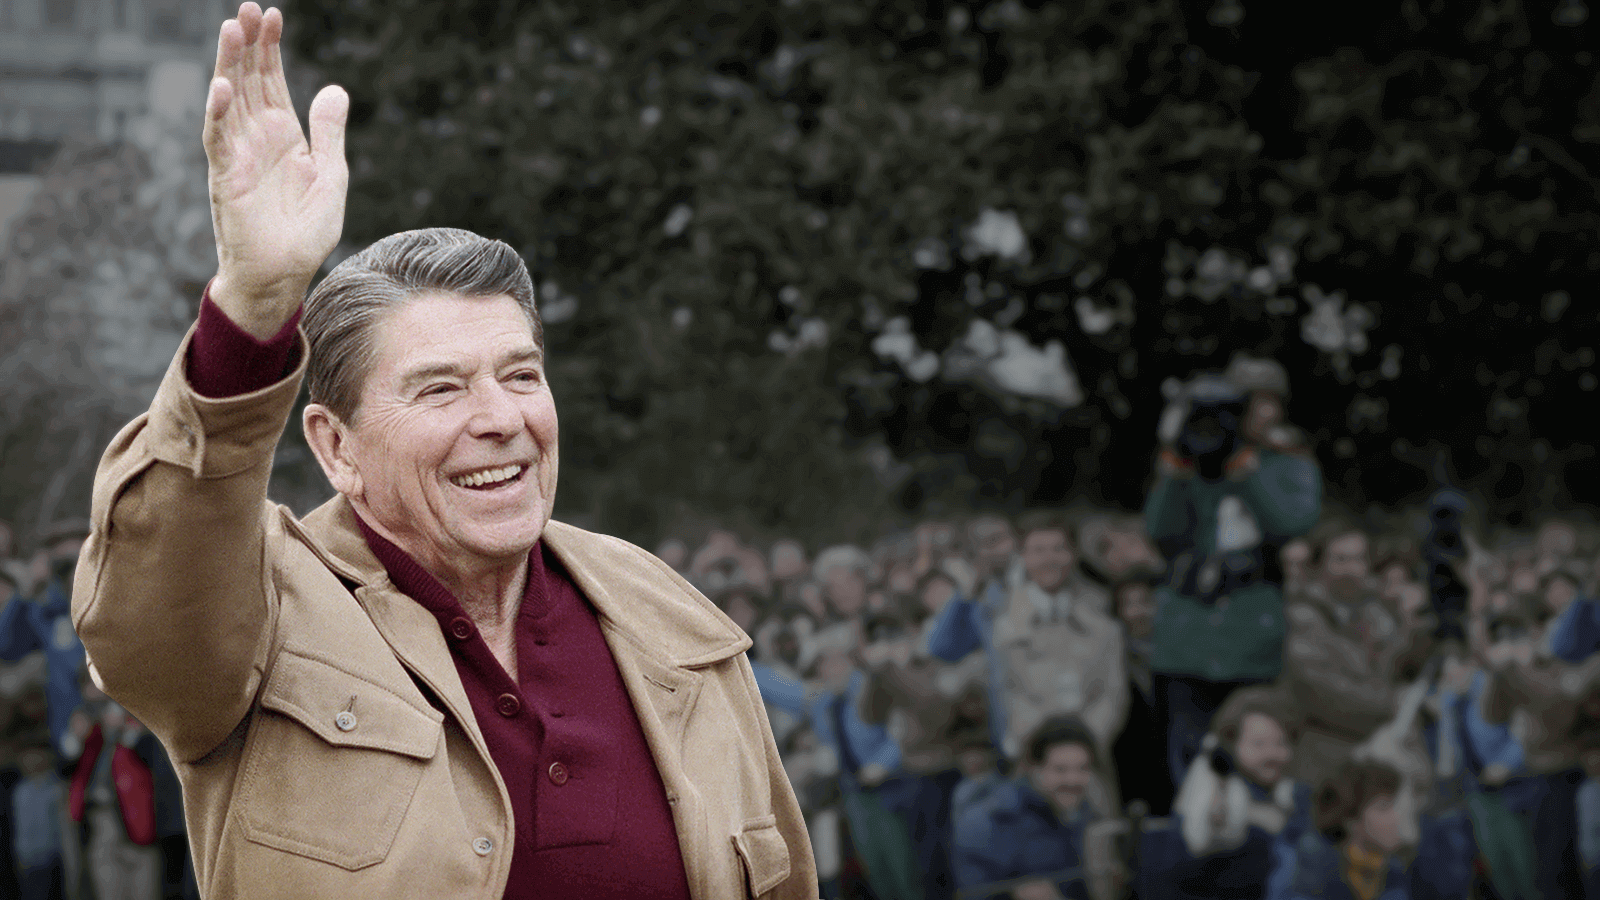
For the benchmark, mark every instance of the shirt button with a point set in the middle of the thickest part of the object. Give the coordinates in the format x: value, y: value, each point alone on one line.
x: 461, y: 628
x: 558, y: 773
x: 508, y: 705
x: 345, y: 721
x: 482, y: 846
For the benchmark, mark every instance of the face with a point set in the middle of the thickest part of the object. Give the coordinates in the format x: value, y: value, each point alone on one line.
x: 1062, y: 776
x: 452, y: 451
x: 1136, y: 607
x: 1266, y: 411
x: 1559, y: 594
x: 993, y: 544
x: 936, y: 593
x: 1379, y: 827
x: 1345, y: 564
x: 846, y: 590
x: 1048, y: 558
x: 1296, y: 558
x: 1263, y: 751
x: 788, y: 560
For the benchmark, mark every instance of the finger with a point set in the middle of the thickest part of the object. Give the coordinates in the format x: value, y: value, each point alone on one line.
x: 218, y: 98
x: 249, y: 81
x: 328, y: 113
x: 230, y: 41
x: 273, y: 81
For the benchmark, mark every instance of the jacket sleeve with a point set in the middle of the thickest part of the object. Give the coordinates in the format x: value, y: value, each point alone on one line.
x: 1169, y: 515
x: 955, y: 633
x: 1106, y: 714
x: 18, y: 637
x: 977, y: 857
x: 174, y: 599
x: 1285, y: 494
x: 779, y: 692
x: 1576, y: 633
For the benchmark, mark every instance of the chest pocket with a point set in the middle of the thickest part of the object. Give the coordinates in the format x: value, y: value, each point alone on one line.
x: 334, y: 763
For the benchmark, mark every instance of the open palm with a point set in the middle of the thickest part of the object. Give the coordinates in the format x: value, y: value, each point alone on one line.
x: 277, y: 201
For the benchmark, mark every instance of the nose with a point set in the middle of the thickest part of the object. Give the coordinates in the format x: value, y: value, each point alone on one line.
x: 496, y: 413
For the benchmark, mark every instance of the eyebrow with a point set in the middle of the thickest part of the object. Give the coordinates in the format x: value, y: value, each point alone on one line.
x: 451, y: 370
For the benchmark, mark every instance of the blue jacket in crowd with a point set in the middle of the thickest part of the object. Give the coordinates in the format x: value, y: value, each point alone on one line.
x: 1262, y: 868
x: 1575, y: 634
x: 967, y: 624
x: 47, y: 625
x: 1014, y: 833
x: 1476, y: 743
x: 867, y: 743
x: 1225, y: 534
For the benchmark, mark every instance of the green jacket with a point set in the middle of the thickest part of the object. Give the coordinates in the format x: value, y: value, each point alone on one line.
x: 1238, y: 636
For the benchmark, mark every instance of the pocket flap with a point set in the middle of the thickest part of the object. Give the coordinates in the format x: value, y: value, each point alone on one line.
x: 348, y: 710
x: 765, y: 854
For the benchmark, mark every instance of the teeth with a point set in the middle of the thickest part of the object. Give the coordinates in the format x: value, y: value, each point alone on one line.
x: 487, y: 476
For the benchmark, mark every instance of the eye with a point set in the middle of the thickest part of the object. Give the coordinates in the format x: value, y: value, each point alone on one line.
x: 526, y: 377
x: 437, y: 390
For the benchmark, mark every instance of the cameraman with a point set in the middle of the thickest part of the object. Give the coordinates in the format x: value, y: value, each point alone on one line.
x: 1221, y: 507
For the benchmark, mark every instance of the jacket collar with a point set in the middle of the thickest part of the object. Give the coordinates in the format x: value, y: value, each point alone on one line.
x: 635, y: 594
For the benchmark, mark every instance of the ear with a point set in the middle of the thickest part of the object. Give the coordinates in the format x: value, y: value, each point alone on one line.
x: 329, y: 438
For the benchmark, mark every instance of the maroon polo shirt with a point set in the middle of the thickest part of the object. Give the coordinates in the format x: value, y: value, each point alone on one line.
x: 591, y: 814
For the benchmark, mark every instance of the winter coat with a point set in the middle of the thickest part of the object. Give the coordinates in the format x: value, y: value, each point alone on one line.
x: 1319, y: 874
x: 1014, y: 833
x: 1220, y: 616
x: 315, y: 715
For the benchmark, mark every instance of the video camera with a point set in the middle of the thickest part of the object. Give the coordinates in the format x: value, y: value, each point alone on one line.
x: 1443, y: 546
x: 1210, y: 432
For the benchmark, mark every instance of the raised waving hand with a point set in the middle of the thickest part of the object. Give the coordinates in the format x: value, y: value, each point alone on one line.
x: 277, y: 201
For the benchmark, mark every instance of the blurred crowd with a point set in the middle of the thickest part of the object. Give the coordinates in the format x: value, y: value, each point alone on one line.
x: 1238, y: 692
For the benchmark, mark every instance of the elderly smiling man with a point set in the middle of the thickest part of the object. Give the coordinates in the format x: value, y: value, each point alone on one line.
x: 426, y: 688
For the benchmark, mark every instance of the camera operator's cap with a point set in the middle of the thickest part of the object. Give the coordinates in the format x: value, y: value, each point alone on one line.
x: 1252, y: 373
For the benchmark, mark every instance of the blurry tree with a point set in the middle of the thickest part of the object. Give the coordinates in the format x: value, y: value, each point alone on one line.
x: 962, y: 245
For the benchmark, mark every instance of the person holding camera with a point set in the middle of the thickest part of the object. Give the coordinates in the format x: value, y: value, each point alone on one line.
x: 1221, y: 507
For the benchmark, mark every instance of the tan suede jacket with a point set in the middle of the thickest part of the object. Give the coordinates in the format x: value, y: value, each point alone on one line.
x: 323, y: 738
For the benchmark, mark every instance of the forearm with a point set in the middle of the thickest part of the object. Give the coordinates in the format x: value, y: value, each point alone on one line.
x: 173, y: 597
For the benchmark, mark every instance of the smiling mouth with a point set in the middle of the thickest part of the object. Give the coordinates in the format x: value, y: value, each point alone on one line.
x: 487, y: 479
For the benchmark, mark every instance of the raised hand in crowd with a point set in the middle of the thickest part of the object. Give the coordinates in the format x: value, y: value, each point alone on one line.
x: 277, y: 202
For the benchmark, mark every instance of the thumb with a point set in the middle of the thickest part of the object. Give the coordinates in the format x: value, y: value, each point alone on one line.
x: 328, y: 113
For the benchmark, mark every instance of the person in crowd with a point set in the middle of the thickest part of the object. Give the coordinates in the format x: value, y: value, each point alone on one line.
x: 112, y: 796
x: 845, y: 573
x: 38, y: 806
x: 430, y: 639
x: 1559, y: 719
x: 979, y: 763
x: 723, y: 560
x: 1140, y: 750
x: 1574, y: 629
x: 903, y: 688
x: 741, y: 602
x: 1112, y: 546
x: 789, y: 567
x: 1049, y: 653
x: 1353, y: 852
x: 935, y: 541
x: 1295, y: 560
x: 1239, y: 815
x: 44, y: 623
x: 1587, y: 813
x: 1340, y: 658
x: 1029, y: 832
x: 1221, y: 507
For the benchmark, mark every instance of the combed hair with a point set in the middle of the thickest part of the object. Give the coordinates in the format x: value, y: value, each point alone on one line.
x: 1259, y: 699
x: 341, y: 314
x: 1058, y: 730
x: 1344, y: 796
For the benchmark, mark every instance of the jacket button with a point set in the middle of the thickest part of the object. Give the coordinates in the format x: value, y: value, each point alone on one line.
x: 461, y: 628
x: 508, y: 705
x: 345, y: 721
x: 558, y: 773
x: 482, y: 846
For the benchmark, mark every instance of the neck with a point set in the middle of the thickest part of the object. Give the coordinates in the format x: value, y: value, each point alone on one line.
x: 489, y: 590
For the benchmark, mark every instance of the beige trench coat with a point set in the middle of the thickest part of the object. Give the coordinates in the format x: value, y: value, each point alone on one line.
x: 240, y: 635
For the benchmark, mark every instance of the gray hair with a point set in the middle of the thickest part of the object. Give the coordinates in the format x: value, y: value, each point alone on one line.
x: 341, y: 313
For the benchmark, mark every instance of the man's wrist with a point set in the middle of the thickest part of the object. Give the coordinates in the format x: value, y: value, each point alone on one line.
x: 261, y: 310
